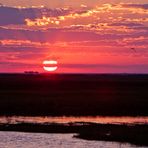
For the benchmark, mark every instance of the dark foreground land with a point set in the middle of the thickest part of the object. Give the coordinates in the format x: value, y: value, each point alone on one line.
x: 73, y: 95
x: 134, y: 134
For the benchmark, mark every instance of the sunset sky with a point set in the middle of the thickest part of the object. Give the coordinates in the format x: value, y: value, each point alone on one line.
x: 83, y: 36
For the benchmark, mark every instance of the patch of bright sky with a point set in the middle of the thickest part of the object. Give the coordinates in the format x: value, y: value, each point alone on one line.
x: 61, y: 3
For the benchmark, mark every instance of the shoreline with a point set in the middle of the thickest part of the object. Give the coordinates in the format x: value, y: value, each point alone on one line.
x: 134, y: 134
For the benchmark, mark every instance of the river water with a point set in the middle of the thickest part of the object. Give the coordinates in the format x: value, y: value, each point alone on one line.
x: 40, y: 140
x: 97, y: 119
x: 43, y: 140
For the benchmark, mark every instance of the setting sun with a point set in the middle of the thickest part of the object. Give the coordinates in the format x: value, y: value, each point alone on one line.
x: 50, y: 65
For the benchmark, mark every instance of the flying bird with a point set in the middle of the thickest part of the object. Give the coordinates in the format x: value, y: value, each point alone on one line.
x: 133, y: 49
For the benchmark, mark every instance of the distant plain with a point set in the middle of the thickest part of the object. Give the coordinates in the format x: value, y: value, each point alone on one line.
x: 73, y: 95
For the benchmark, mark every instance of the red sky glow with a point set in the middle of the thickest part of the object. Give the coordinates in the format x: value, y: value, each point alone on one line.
x: 82, y: 36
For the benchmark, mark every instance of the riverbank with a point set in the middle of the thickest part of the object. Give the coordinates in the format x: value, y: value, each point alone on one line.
x: 132, y: 133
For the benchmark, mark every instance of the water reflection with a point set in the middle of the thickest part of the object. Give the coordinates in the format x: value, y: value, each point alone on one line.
x: 97, y: 119
x: 33, y: 140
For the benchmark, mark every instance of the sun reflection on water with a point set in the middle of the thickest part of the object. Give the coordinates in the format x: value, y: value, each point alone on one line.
x: 64, y: 119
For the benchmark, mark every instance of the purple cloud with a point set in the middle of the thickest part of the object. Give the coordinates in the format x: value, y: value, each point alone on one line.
x: 143, y: 6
